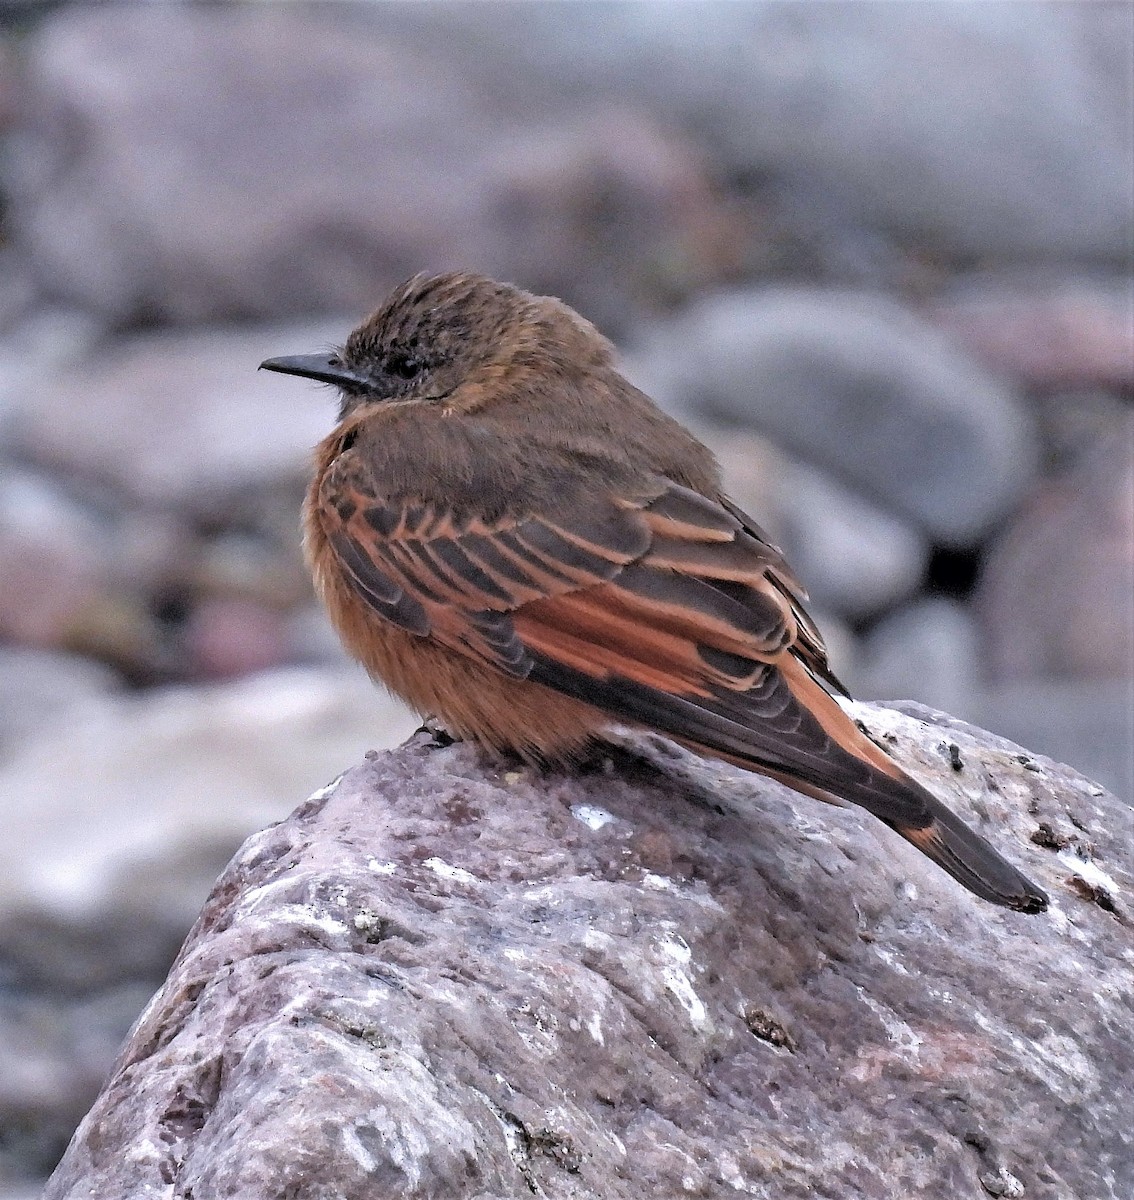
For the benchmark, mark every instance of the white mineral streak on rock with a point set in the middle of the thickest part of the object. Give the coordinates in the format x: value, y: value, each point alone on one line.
x: 326, y: 790
x: 1089, y: 872
x: 1054, y: 1058
x: 309, y: 918
x: 592, y: 816
x: 440, y: 867
x: 596, y: 939
x: 677, y: 981
x: 890, y: 959
x: 358, y: 1151
x: 906, y: 1042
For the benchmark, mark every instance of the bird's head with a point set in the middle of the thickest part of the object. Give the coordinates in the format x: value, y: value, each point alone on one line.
x: 460, y: 340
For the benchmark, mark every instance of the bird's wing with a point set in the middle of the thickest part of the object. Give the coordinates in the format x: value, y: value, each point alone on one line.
x: 662, y: 608
x: 659, y: 607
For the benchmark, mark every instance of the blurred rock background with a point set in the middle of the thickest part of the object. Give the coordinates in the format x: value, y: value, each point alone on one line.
x: 879, y: 255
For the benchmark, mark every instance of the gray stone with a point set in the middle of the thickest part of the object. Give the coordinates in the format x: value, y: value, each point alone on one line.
x: 855, y: 557
x: 55, y: 1049
x: 929, y: 651
x: 312, y: 639
x: 856, y: 384
x: 178, y: 420
x: 203, y: 162
x: 17, y: 294
x: 175, y: 200
x: 39, y: 344
x: 38, y: 687
x: 444, y: 976
x: 1074, y: 423
x: 969, y: 129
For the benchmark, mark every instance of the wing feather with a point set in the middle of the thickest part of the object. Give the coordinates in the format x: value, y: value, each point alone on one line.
x: 665, y: 609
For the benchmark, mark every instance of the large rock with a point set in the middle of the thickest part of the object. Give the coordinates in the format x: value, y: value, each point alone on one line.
x: 447, y: 976
x: 974, y: 130
x: 928, y: 651
x: 194, y: 163
x: 117, y: 819
x: 861, y: 386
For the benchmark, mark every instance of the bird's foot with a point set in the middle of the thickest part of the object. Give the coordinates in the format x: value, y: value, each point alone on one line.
x: 439, y: 735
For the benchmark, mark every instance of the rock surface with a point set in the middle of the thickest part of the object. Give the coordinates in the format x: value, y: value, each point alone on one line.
x: 445, y: 976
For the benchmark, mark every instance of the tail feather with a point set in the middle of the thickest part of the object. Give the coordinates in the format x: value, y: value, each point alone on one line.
x: 944, y: 837
x: 971, y: 861
x: 788, y: 727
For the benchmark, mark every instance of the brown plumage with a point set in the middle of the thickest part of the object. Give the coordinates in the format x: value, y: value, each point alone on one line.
x: 513, y: 538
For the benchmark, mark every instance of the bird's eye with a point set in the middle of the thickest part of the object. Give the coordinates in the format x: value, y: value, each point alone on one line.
x: 404, y: 366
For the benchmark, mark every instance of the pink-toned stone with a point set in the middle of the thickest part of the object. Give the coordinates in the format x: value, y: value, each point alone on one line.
x: 54, y: 562
x: 1057, y: 594
x: 229, y: 636
x: 1077, y: 334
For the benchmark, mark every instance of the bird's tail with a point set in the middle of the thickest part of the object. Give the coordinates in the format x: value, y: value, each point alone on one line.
x: 789, y: 727
x: 943, y: 836
x: 864, y: 774
x: 971, y: 860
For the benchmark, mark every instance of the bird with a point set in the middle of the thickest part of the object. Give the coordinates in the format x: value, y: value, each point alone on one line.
x: 520, y: 543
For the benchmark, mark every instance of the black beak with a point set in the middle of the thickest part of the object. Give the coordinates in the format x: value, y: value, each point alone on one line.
x: 326, y: 368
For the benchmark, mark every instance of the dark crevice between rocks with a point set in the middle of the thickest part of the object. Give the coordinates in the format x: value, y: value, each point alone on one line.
x: 192, y: 1103
x: 185, y: 1116
x: 952, y: 573
x: 168, y: 1029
